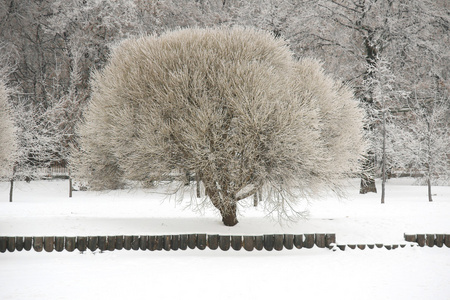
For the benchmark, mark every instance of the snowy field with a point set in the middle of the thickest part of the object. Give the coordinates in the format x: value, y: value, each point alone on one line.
x: 43, y: 208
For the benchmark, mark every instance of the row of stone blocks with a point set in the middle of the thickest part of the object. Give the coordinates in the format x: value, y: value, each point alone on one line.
x: 168, y: 242
x: 421, y: 240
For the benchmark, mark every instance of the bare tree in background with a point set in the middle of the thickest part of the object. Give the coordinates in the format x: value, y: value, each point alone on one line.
x: 7, y: 137
x: 231, y: 106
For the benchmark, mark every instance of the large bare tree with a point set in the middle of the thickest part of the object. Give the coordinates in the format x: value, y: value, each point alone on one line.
x: 230, y: 106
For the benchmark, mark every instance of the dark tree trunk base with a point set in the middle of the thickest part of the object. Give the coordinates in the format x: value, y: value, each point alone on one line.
x: 367, y: 186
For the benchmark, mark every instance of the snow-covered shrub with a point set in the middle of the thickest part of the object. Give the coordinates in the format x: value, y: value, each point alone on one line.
x: 7, y: 134
x: 230, y: 106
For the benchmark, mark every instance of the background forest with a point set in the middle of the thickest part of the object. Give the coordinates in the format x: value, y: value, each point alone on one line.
x: 394, y: 53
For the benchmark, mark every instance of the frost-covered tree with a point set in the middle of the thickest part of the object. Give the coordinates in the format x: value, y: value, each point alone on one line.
x: 7, y: 135
x: 428, y: 138
x: 385, y: 134
x: 230, y: 106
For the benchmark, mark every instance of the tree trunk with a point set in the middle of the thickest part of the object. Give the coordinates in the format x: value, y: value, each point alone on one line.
x: 367, y: 185
x: 229, y: 217
x: 367, y: 178
x: 383, y: 166
x: 70, y: 188
x: 430, y: 197
x: 11, y: 190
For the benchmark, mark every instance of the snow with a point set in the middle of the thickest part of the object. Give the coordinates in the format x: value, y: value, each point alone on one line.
x: 43, y: 208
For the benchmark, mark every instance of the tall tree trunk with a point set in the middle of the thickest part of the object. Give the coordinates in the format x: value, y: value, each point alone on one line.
x: 430, y: 197
x: 383, y: 163
x: 70, y: 187
x: 11, y: 190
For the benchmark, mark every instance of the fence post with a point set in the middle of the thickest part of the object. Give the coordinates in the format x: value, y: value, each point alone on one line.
x: 201, y: 241
x: 309, y: 241
x: 224, y: 242
x: 213, y: 241
x: 430, y: 240
x: 320, y: 240
x: 38, y: 244
x: 48, y: 243
x: 298, y: 241
x: 19, y: 243
x: 439, y: 241
x: 268, y: 242
x: 289, y: 241
x: 11, y: 244
x: 175, y: 244
x: 28, y: 243
x: 3, y: 244
x: 236, y: 242
x: 259, y: 242
x: 278, y: 240
x: 249, y: 242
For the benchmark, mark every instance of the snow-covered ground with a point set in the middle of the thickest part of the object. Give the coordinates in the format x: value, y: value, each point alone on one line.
x: 43, y: 208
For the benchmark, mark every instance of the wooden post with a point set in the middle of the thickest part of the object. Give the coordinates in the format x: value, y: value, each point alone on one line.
x: 352, y: 246
x: 59, y: 243
x: 3, y: 244
x: 430, y: 240
x: 184, y: 238
x: 28, y: 243
x: 38, y: 243
x: 259, y: 242
x: 289, y: 241
x: 102, y: 243
x: 236, y: 242
x: 111, y: 242
x: 159, y: 242
x: 361, y: 246
x: 11, y: 244
x: 278, y: 242
x: 201, y: 241
x: 213, y: 241
x: 320, y: 240
x: 439, y: 241
x: 224, y: 242
x: 167, y: 240
x: 395, y: 246
x: 309, y: 241
x: 410, y: 237
x: 298, y: 241
x: 370, y: 246
x: 152, y: 243
x: 19, y: 243
x: 135, y: 241
x: 81, y: 243
x: 421, y: 240
x: 93, y: 243
x: 330, y: 240
x: 379, y: 245
x: 447, y: 240
x: 249, y: 242
x: 268, y: 242
x: 175, y: 242
x: 127, y: 242
x: 342, y: 247
x: 119, y: 242
x: 192, y: 241
x: 49, y: 243
x: 143, y: 244
x: 388, y: 247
